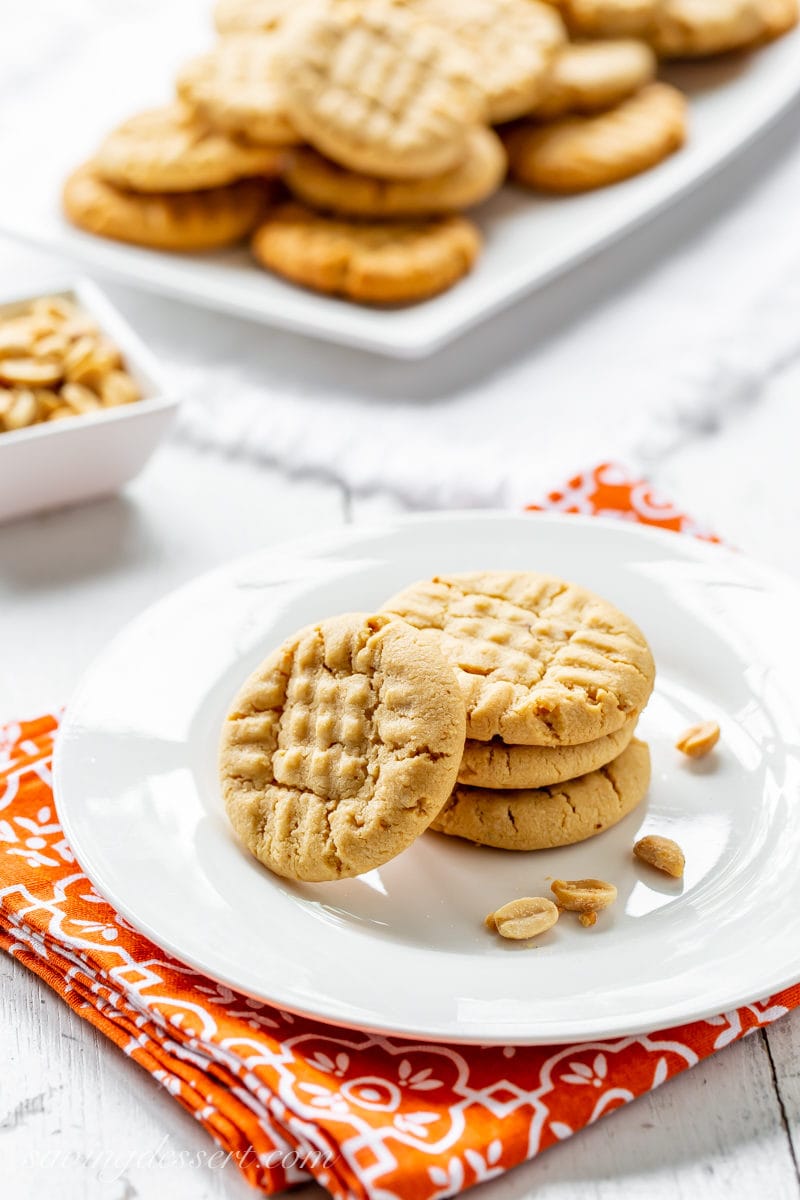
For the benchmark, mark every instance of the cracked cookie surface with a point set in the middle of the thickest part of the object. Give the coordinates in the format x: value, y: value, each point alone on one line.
x: 497, y: 765
x: 541, y: 662
x: 541, y: 818
x: 341, y: 747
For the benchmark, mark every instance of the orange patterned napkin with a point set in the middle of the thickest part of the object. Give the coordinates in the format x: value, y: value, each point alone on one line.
x: 288, y: 1097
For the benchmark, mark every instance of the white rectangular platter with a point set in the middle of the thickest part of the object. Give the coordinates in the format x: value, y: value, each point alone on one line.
x: 55, y: 119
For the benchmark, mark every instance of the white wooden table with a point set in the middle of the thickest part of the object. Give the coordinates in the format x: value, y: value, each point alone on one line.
x: 81, y: 1121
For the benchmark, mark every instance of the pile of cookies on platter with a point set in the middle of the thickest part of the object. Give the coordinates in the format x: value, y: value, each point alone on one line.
x: 385, y: 119
x: 498, y: 707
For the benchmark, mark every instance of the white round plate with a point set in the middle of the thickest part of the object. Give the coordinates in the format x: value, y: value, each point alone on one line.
x: 403, y: 949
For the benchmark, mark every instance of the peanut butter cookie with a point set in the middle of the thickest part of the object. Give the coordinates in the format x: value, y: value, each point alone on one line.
x: 587, y: 77
x: 252, y: 16
x: 610, y: 18
x: 778, y: 16
x: 372, y: 262
x: 541, y: 818
x: 576, y: 154
x: 164, y: 220
x: 496, y: 765
x: 511, y: 41
x: 236, y: 89
x: 697, y: 28
x: 684, y: 28
x: 541, y: 662
x: 323, y: 184
x: 341, y: 748
x: 171, y: 150
x: 378, y: 91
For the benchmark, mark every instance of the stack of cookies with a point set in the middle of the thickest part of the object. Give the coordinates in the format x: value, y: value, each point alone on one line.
x: 386, y: 119
x: 498, y: 707
x: 554, y: 679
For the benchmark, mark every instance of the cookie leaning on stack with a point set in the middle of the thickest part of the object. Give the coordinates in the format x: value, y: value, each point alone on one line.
x: 554, y: 679
x: 341, y: 748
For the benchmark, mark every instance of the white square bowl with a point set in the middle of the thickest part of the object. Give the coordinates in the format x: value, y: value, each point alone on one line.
x: 62, y: 462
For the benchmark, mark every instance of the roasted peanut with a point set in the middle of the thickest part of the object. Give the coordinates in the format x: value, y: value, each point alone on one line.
x: 80, y: 398
x: 698, y: 740
x: 661, y: 853
x: 524, y: 918
x: 117, y: 388
x: 24, y: 410
x: 54, y: 363
x: 30, y: 372
x: 583, y: 895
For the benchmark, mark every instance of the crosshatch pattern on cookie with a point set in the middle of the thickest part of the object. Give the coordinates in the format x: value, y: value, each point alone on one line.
x: 379, y: 91
x: 341, y: 748
x: 512, y: 41
x: 540, y: 661
x: 237, y: 88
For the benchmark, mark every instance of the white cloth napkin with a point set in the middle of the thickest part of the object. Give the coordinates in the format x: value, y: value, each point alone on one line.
x: 498, y: 438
